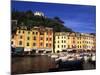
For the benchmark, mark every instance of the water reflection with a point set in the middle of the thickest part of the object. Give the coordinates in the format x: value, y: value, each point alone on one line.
x: 32, y: 64
x: 39, y: 64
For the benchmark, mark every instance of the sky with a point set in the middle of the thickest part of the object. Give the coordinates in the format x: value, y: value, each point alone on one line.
x: 80, y: 18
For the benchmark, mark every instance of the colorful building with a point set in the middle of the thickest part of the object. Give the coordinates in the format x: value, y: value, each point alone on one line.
x: 71, y: 40
x: 37, y: 39
x: 60, y: 41
x: 43, y: 40
x: 74, y: 41
x: 85, y: 41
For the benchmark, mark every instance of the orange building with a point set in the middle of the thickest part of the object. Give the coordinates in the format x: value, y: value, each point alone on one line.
x: 37, y: 39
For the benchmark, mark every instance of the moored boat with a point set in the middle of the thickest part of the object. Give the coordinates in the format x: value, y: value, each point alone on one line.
x: 54, y: 56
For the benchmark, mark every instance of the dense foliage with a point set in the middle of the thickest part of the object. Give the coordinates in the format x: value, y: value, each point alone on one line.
x: 28, y: 19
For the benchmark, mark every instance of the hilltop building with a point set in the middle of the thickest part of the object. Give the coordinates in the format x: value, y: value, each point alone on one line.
x: 38, y: 13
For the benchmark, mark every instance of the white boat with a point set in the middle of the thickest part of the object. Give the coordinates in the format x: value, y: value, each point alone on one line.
x: 71, y: 59
x: 93, y: 58
x: 54, y: 56
x: 86, y: 58
x: 79, y: 58
x: 64, y: 58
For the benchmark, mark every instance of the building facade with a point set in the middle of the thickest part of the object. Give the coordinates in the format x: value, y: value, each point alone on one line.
x: 38, y: 39
x: 60, y: 41
x: 71, y: 40
x: 85, y: 41
x: 43, y: 40
x: 74, y: 41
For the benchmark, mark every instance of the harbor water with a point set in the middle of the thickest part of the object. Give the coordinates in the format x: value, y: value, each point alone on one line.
x: 43, y: 63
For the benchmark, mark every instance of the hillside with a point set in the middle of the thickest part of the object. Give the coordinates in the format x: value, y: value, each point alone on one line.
x: 29, y: 19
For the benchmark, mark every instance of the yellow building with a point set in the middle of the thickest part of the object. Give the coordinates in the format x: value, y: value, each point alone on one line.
x: 60, y: 41
x: 71, y: 41
x: 94, y: 42
x: 37, y: 39
x: 81, y: 41
x: 85, y: 41
x: 74, y: 41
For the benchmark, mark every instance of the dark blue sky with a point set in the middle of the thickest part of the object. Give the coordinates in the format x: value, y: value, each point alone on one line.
x: 80, y: 18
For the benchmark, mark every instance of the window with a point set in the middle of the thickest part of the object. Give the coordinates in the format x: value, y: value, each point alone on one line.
x: 80, y: 46
x: 87, y: 42
x: 33, y: 32
x: 28, y: 32
x: 78, y: 42
x: 46, y: 39
x: 62, y: 37
x: 64, y: 46
x: 41, y: 38
x: 27, y: 44
x: 72, y: 46
x: 68, y: 38
x: 50, y: 39
x: 73, y: 41
x: 58, y: 41
x: 58, y: 37
x: 28, y: 38
x: 62, y: 41
x: 58, y: 51
x: 20, y: 37
x: 46, y: 44
x: 36, y: 33
x: 58, y: 46
x: 41, y: 44
x: 34, y: 44
x: 23, y: 31
x: 20, y: 42
x: 68, y: 46
x: 50, y: 44
x: 34, y: 38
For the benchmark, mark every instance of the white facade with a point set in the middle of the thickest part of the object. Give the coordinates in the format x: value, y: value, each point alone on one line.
x: 60, y: 41
x: 39, y: 14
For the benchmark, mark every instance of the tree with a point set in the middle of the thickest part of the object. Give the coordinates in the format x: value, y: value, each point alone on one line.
x: 30, y: 20
x: 58, y: 20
